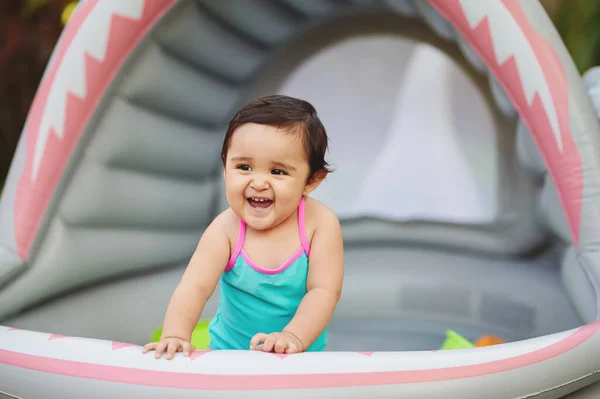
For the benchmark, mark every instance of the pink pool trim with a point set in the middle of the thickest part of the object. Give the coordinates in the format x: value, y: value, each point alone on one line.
x: 565, y: 168
x: 33, y: 198
x: 116, y: 345
x: 57, y: 336
x: 281, y: 268
x: 302, y: 228
x: 238, y: 245
x: 127, y: 375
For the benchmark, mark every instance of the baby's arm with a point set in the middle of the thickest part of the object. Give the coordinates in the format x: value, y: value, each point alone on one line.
x: 196, y: 286
x: 325, y: 279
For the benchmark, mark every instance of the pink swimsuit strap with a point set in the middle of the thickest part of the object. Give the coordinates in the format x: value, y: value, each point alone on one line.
x: 301, y: 227
x: 242, y: 236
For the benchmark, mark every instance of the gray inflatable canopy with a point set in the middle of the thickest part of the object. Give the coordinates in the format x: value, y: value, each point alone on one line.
x: 474, y: 110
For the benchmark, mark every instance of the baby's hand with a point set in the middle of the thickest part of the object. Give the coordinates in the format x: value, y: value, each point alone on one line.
x: 280, y: 342
x: 172, y: 345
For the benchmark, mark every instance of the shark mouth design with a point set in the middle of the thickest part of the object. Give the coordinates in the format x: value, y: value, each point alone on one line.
x: 519, y: 59
x: 531, y: 73
x: 65, y: 100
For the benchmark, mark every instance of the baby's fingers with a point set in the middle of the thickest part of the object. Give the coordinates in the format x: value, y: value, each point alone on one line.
x: 149, y: 347
x: 280, y: 346
x: 257, y: 339
x: 160, y: 348
x: 187, y: 348
x: 292, y: 348
x: 172, y: 348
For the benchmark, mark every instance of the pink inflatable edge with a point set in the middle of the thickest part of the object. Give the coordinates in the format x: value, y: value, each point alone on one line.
x: 288, y: 381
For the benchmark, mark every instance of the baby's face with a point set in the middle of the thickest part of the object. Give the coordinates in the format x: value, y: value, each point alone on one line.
x: 265, y: 175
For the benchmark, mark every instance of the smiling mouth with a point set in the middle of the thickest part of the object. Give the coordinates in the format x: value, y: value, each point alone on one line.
x: 260, y: 203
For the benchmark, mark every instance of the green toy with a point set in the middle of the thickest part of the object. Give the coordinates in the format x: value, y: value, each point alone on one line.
x: 200, y: 337
x: 456, y: 341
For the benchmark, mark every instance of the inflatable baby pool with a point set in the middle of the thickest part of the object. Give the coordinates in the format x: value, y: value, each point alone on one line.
x: 117, y: 173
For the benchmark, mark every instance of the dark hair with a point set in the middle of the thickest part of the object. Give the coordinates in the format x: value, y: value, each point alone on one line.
x: 293, y: 116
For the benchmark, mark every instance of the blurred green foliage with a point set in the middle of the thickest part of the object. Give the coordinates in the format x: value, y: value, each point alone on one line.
x: 577, y: 21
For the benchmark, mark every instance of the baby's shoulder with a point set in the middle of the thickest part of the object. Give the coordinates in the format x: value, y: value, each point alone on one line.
x: 226, y: 223
x: 317, y: 214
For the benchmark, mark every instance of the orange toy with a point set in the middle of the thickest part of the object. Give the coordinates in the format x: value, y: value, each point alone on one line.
x: 488, y: 340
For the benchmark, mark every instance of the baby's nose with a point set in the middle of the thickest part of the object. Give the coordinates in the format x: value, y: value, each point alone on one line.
x: 260, y: 183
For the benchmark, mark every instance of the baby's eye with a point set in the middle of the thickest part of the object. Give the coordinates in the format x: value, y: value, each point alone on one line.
x: 278, y: 172
x: 247, y: 168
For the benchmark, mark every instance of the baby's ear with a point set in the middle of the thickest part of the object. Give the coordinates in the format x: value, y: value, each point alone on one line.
x: 318, y: 176
x: 315, y: 180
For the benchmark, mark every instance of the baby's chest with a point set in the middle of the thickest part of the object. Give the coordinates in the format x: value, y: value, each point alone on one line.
x: 274, y: 255
x: 289, y: 282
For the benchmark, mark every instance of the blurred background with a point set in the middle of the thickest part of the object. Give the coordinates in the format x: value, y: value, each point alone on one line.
x: 29, y: 30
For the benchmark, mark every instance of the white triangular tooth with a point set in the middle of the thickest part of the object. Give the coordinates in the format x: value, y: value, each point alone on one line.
x: 37, y: 155
x: 509, y: 40
x: 92, y: 39
x: 133, y: 9
x: 74, y: 83
x: 475, y: 14
x: 96, y: 45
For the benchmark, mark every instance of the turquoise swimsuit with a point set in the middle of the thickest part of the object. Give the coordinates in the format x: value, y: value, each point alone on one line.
x: 254, y: 299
